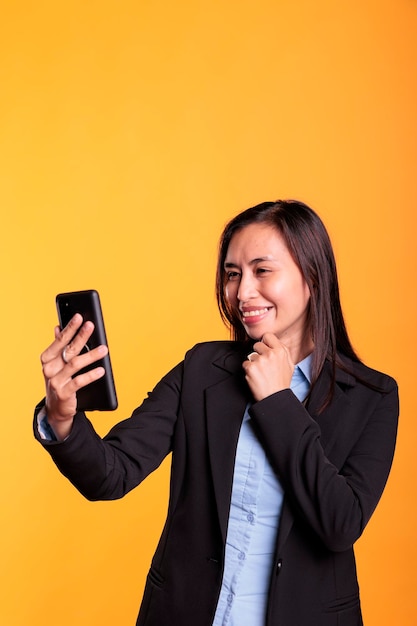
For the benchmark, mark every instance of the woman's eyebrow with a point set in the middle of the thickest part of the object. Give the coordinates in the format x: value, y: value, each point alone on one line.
x: 259, y: 259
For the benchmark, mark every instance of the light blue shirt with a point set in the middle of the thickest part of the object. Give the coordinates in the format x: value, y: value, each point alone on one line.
x: 255, y: 511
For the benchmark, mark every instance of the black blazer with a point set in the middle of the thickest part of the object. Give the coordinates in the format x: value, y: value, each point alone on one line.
x: 333, y: 468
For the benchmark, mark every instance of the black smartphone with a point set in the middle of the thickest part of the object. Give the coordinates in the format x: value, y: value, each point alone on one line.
x: 99, y: 395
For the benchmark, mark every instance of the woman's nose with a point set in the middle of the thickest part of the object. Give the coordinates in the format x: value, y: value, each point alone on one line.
x: 247, y: 288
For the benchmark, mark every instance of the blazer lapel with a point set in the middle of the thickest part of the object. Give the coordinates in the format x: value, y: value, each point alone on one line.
x: 225, y: 406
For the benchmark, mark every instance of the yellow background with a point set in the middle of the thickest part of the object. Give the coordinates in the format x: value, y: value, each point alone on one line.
x: 130, y: 132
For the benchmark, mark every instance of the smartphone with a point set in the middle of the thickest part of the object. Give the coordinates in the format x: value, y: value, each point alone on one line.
x: 100, y: 395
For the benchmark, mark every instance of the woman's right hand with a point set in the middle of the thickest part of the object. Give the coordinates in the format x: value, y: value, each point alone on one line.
x: 61, y: 387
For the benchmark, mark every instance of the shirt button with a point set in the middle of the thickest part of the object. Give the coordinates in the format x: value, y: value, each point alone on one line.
x: 250, y: 517
x: 241, y: 556
x: 230, y: 598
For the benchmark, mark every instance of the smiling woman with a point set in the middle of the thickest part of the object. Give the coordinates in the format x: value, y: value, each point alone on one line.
x: 281, y: 439
x: 267, y: 288
x: 289, y: 257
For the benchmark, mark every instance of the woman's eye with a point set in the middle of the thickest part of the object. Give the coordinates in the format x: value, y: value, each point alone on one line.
x: 262, y: 270
x: 232, y: 275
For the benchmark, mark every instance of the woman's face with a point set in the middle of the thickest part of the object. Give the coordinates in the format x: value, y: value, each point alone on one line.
x: 265, y: 286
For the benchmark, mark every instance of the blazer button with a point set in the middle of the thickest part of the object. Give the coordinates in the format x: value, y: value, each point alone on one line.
x: 279, y: 566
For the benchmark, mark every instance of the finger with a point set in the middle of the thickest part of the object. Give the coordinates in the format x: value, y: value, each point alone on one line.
x: 70, y: 330
x: 58, y: 377
x: 270, y: 340
x: 62, y: 338
x: 59, y: 355
x: 260, y: 348
x: 76, y: 345
x: 81, y: 361
x: 61, y: 396
x: 85, y: 379
x: 287, y: 354
x: 65, y: 390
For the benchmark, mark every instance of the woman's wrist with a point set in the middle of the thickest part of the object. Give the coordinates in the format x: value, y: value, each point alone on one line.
x: 60, y: 426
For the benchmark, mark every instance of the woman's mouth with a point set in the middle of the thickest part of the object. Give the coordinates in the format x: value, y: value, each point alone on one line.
x: 253, y: 316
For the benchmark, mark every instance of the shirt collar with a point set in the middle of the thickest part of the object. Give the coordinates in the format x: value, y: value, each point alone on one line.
x: 305, y: 366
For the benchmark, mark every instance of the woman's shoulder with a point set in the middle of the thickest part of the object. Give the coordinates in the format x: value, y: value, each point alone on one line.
x: 368, y: 375
x: 213, y: 350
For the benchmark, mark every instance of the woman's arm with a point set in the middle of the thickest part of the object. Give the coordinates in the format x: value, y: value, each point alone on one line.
x: 335, y: 494
x: 108, y: 468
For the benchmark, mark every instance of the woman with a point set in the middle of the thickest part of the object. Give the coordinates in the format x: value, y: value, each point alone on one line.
x: 281, y: 440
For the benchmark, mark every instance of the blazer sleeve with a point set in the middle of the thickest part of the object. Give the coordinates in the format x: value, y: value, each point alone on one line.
x: 108, y: 468
x: 336, y: 494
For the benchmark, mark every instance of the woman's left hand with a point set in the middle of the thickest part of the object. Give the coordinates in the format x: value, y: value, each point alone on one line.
x: 269, y: 368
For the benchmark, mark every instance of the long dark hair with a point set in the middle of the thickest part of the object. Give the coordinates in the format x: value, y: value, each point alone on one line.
x: 310, y: 246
